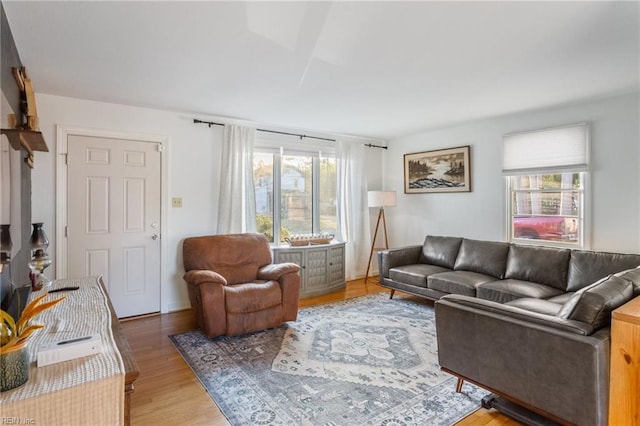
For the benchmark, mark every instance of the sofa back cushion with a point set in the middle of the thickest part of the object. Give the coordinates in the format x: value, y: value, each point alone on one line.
x: 483, y: 257
x: 440, y: 251
x: 632, y: 275
x: 594, y: 303
x: 586, y: 267
x: 543, y: 265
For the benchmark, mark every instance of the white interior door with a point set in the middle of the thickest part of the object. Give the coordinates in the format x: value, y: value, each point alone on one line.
x: 113, y: 214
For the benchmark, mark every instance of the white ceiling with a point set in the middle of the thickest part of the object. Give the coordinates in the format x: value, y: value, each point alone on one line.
x: 377, y: 69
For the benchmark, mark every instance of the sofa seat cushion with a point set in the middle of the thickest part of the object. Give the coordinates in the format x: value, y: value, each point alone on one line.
x: 544, y: 265
x: 483, y: 257
x: 415, y: 274
x: 252, y: 297
x: 457, y: 282
x: 540, y: 306
x: 507, y: 290
x: 594, y: 303
x: 562, y: 298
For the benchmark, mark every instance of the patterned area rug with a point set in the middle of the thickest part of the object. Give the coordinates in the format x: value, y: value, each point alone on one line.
x: 363, y: 361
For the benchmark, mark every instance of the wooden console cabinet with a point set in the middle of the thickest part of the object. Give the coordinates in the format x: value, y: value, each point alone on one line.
x: 321, y: 266
x: 624, y: 382
x: 131, y: 371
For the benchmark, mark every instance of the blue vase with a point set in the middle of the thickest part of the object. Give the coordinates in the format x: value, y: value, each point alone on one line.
x: 14, y: 369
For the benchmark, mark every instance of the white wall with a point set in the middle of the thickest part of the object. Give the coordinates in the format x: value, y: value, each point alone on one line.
x: 480, y: 214
x: 193, y: 173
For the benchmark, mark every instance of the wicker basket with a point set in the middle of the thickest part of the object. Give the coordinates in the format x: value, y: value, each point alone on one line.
x: 308, y: 241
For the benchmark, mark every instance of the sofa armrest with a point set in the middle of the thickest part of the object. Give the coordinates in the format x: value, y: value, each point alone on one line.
x: 392, y: 258
x: 275, y: 271
x: 197, y: 277
x: 532, y: 359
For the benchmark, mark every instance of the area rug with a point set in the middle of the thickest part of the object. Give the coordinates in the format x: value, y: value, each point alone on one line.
x: 363, y: 361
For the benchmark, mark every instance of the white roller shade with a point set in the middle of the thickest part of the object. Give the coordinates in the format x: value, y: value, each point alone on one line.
x: 561, y: 149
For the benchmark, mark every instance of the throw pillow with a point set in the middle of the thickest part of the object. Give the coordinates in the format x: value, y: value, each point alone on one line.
x: 595, y: 303
x: 567, y: 309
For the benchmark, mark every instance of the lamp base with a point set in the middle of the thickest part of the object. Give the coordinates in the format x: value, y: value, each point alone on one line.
x: 381, y: 218
x: 39, y: 281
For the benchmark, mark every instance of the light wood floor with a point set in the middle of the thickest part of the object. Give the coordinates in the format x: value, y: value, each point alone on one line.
x: 167, y: 391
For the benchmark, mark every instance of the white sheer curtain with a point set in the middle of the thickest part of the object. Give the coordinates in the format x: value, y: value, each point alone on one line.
x: 353, y: 213
x: 237, y: 208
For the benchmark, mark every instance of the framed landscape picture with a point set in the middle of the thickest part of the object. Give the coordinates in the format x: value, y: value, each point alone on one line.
x: 442, y: 170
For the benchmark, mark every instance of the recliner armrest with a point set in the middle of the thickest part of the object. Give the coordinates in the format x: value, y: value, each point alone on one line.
x: 392, y: 258
x: 197, y: 277
x: 275, y: 271
x: 514, y: 312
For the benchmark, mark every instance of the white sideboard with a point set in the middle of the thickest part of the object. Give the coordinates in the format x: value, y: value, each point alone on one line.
x: 321, y: 266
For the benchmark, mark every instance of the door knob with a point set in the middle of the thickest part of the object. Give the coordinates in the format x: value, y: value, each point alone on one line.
x: 154, y: 237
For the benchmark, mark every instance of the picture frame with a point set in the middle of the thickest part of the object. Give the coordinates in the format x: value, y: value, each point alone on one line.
x: 441, y: 170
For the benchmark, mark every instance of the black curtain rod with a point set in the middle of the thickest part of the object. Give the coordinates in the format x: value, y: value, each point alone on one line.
x: 208, y: 123
x: 212, y: 123
x: 375, y: 146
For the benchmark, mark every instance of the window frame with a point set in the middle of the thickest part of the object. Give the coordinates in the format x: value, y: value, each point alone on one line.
x: 583, y: 212
x: 280, y: 146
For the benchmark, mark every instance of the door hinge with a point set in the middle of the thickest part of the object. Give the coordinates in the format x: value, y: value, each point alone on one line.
x: 65, y: 232
x: 159, y: 147
x: 66, y: 159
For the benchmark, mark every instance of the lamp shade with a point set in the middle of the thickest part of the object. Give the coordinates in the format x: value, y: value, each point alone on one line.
x: 381, y: 198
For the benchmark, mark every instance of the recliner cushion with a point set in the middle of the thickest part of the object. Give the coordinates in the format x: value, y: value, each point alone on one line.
x: 594, y: 305
x: 415, y: 274
x: 252, y: 297
x: 440, y: 251
x: 484, y: 257
x: 237, y: 257
x: 543, y: 265
x: 457, y: 282
x: 507, y: 290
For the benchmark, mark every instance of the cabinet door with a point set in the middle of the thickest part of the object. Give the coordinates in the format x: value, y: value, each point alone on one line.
x: 316, y: 269
x: 336, y: 265
x: 289, y: 256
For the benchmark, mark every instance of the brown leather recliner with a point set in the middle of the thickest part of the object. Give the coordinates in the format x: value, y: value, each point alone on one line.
x: 233, y: 286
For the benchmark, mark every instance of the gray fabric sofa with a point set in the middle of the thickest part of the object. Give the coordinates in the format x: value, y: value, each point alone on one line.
x: 530, y: 324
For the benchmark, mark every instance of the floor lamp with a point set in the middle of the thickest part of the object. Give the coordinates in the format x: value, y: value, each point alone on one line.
x: 379, y: 199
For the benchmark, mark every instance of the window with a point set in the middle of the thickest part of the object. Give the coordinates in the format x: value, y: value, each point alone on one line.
x: 546, y: 174
x: 547, y: 207
x: 295, y: 190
